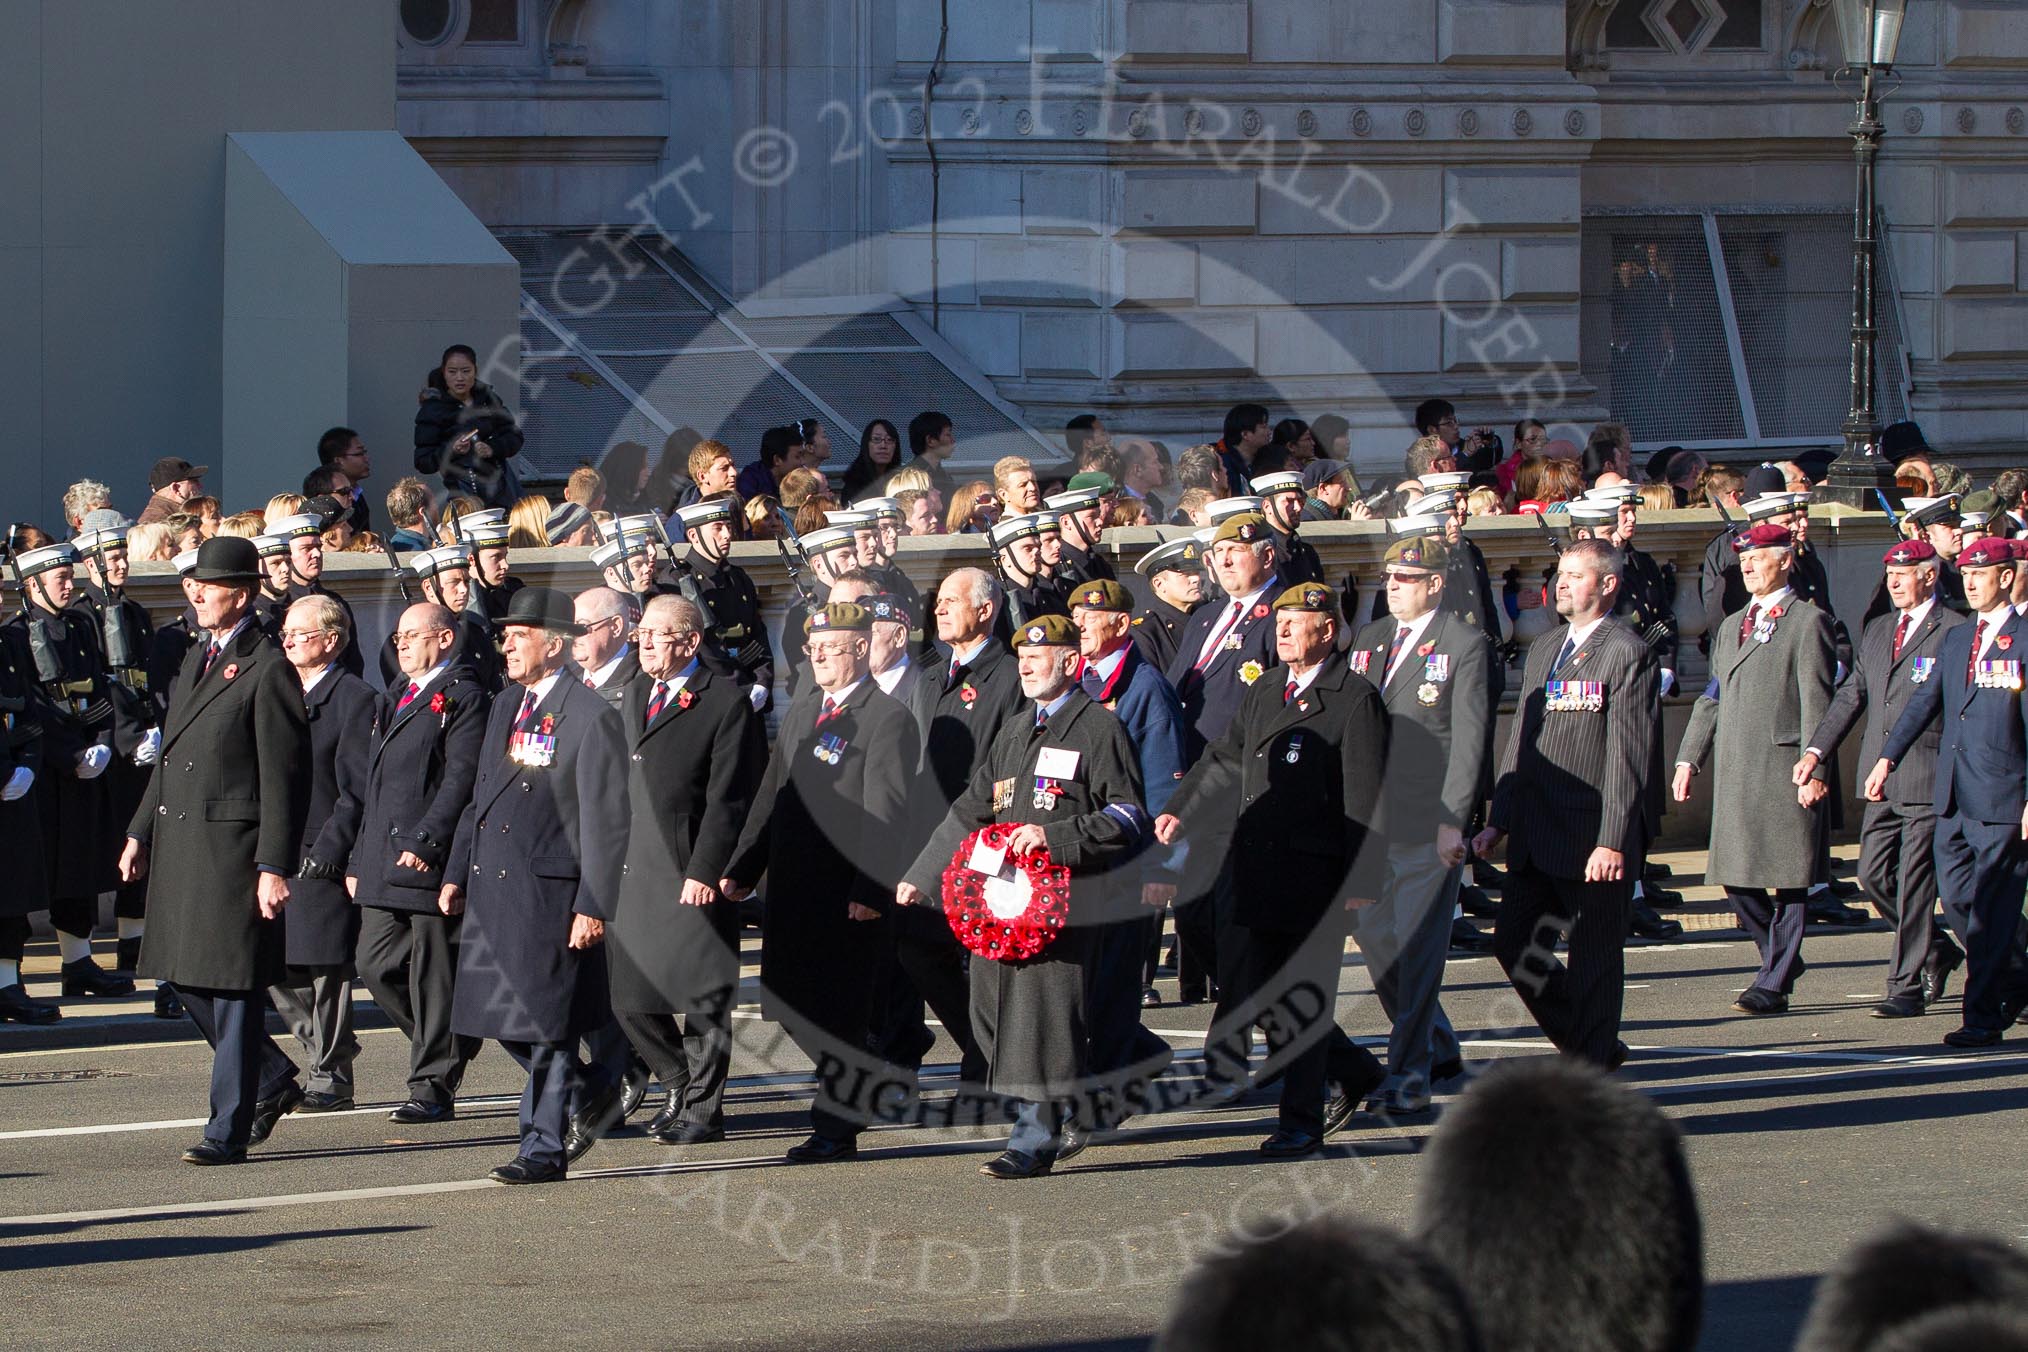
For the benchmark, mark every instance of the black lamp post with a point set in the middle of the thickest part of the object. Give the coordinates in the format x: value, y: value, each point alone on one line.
x: 1870, y: 31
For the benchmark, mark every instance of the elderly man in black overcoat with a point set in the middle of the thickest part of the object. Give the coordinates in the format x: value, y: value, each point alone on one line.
x: 222, y: 829
x: 535, y: 868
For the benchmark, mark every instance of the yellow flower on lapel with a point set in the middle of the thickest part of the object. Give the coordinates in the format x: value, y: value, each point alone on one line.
x: 1249, y: 672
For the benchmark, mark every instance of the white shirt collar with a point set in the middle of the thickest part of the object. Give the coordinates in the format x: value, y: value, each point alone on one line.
x: 1579, y: 637
x: 680, y: 679
x: 601, y: 675
x: 312, y: 682
x: 967, y: 656
x: 542, y: 687
x: 1105, y: 666
x: 222, y: 639
x: 1767, y: 603
x: 430, y: 677
x: 1306, y: 680
x: 840, y: 696
x: 1411, y: 635
x: 1917, y: 614
x: 1251, y: 599
x: 890, y: 678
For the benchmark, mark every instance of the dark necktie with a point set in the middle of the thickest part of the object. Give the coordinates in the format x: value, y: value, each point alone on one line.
x: 1289, y: 692
x: 1563, y: 654
x: 655, y: 705
x: 1900, y: 634
x: 1041, y: 720
x: 521, y: 720
x: 1212, y: 644
x: 407, y: 696
x: 1394, y: 653
x: 828, y: 712
x: 1978, y: 639
x: 951, y: 677
x: 210, y: 656
x: 1746, y: 625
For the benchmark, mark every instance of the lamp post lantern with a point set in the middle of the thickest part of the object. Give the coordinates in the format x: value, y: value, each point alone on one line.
x: 1870, y: 32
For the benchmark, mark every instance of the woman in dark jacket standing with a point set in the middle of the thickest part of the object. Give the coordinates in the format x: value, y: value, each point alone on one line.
x: 466, y: 433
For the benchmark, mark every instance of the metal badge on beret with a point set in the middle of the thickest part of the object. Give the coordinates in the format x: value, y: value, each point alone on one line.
x: 1048, y: 631
x: 1418, y: 551
x: 1310, y: 597
x: 1247, y: 528
x: 1103, y: 594
x: 1766, y: 535
x: 1990, y: 552
x: 1909, y: 552
x: 840, y: 617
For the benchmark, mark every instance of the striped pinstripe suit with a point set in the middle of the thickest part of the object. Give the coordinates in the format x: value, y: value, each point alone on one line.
x: 1571, y: 780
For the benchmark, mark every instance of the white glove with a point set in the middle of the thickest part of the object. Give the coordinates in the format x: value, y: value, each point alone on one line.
x: 93, y: 760
x: 1668, y: 680
x: 150, y: 749
x: 759, y: 696
x: 18, y: 784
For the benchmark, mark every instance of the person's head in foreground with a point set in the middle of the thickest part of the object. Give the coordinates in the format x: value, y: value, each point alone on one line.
x: 1562, y: 1201
x: 1908, y: 1274
x: 1329, y: 1284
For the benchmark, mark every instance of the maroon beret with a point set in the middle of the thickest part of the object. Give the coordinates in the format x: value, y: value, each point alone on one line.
x: 1767, y: 535
x: 1908, y: 552
x: 1990, y: 552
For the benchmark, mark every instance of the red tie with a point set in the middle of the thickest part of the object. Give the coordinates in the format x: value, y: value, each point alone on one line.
x: 590, y: 684
x: 1978, y: 639
x: 1394, y: 653
x: 655, y: 704
x: 1746, y: 625
x: 527, y: 712
x: 828, y: 712
x: 1211, y: 644
x: 1289, y: 693
x: 407, y: 695
x: 1900, y: 634
x: 210, y: 656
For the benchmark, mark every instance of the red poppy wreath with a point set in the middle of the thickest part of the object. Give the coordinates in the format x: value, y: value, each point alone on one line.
x: 1008, y: 921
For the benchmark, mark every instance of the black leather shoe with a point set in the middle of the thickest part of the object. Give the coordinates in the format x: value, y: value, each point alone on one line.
x: 668, y: 1118
x: 1619, y: 1056
x: 1643, y: 922
x: 1453, y: 1069
x: 1346, y: 1099
x: 1469, y: 938
x: 633, y: 1088
x: 85, y: 977
x: 1936, y: 971
x: 599, y: 1115
x: 1825, y: 909
x: 1075, y: 1139
x: 822, y: 1150
x: 214, y: 1152
x: 271, y: 1110
x: 1973, y: 1038
x: 1289, y: 1145
x: 1651, y: 871
x: 167, y: 1005
x: 1841, y: 888
x: 1477, y: 902
x: 688, y: 1133
x: 418, y: 1113
x: 1151, y: 998
x: 1754, y: 1000
x: 321, y: 1101
x: 1488, y: 876
x: 1899, y: 1007
x: 16, y: 1007
x: 521, y: 1169
x: 1015, y: 1164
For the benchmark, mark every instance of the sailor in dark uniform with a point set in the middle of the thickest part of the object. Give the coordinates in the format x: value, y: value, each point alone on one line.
x: 736, y: 643
x: 1281, y: 502
x: 831, y: 553
x: 82, y: 839
x: 127, y: 637
x: 1017, y: 550
x: 445, y: 575
x: 493, y: 587
x: 1082, y: 509
x: 305, y: 534
x: 273, y: 597
x: 877, y: 544
x: 1175, y: 573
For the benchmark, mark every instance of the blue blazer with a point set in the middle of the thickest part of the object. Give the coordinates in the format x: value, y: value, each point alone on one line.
x: 1982, y: 761
x: 1153, y: 717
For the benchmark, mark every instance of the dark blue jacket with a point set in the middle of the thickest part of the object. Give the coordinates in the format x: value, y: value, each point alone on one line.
x: 1982, y: 761
x: 1153, y: 717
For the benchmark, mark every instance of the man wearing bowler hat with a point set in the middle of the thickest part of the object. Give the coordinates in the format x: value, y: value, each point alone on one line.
x: 535, y: 869
x: 221, y: 827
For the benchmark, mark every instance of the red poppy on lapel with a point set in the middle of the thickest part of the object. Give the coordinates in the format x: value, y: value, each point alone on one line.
x: 1260, y: 612
x: 548, y: 725
x: 1775, y: 614
x: 1425, y: 649
x: 2004, y: 642
x: 684, y: 699
x: 438, y: 703
x: 231, y: 670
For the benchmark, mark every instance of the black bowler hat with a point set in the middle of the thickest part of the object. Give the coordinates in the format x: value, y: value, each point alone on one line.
x: 227, y: 558
x: 542, y: 608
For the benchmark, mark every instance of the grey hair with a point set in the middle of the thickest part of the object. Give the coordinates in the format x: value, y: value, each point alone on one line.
x: 327, y: 613
x: 1604, y: 558
x: 602, y: 603
x: 681, y: 615
x: 981, y: 588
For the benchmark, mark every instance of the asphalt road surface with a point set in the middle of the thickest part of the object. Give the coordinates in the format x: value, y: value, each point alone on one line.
x: 1805, y: 1132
